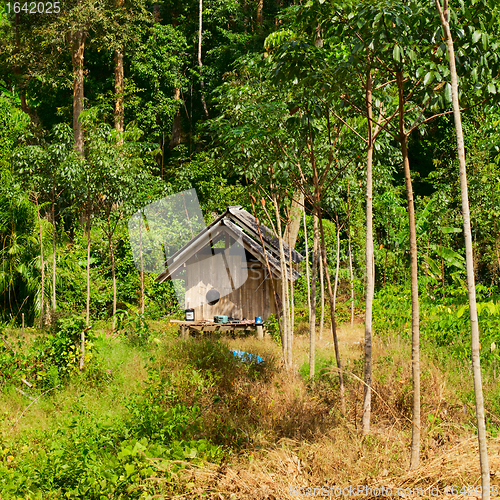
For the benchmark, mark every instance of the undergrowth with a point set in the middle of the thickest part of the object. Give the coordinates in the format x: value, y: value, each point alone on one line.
x: 159, y: 408
x: 152, y: 409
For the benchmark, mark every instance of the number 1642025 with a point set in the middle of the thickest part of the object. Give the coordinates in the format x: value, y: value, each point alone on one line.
x: 33, y: 7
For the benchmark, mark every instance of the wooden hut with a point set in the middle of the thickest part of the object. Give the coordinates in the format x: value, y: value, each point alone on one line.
x: 230, y: 268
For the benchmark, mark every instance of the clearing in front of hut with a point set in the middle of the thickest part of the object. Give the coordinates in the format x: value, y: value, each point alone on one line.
x: 156, y: 416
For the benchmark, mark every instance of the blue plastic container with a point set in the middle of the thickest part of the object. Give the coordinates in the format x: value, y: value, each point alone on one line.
x: 247, y: 357
x: 258, y: 320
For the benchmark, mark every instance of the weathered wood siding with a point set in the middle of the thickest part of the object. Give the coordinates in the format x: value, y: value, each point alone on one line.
x: 252, y: 298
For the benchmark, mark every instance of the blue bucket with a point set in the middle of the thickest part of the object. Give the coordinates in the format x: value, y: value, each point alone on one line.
x: 258, y: 320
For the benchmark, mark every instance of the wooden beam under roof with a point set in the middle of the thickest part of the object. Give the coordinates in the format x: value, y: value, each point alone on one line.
x: 247, y: 222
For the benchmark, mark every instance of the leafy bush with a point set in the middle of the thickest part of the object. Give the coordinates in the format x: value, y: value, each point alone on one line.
x: 444, y: 321
x: 49, y: 358
x: 134, y: 326
x: 272, y: 328
x: 94, y: 458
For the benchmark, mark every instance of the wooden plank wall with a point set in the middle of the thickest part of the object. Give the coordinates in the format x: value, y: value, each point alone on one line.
x: 253, y: 298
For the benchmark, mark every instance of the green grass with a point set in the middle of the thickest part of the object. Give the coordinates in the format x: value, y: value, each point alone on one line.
x: 103, y: 435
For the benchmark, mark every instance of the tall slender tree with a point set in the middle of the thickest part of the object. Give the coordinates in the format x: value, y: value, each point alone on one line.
x: 444, y: 13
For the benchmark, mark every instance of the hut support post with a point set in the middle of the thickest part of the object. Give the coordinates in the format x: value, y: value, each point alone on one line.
x: 184, y: 332
x: 260, y: 332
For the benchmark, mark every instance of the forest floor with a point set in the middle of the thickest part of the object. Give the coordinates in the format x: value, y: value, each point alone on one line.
x: 343, y: 463
x: 298, y: 443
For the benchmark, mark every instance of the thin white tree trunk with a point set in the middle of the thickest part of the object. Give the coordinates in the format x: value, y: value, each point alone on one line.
x: 316, y: 258
x: 292, y: 304
x: 87, y: 316
x: 142, y: 266
x: 287, y: 348
x: 370, y: 275
x: 351, y: 274
x: 113, y: 277
x: 54, y: 302
x: 200, y: 64
x: 322, y: 291
x: 415, y: 323
x: 286, y: 293
x: 311, y: 307
x: 82, y: 336
x: 469, y: 257
x: 42, y: 263
x: 337, y: 265
x: 332, y: 316
x: 370, y: 271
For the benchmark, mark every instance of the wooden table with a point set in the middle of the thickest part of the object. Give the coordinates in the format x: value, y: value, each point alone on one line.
x: 211, y: 326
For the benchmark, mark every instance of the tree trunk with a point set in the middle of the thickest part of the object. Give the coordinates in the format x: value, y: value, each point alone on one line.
x: 317, y: 209
x: 296, y: 210
x: 87, y: 316
x: 82, y: 349
x: 260, y: 10
x: 311, y: 297
x: 351, y: 273
x: 415, y: 346
x: 77, y: 40
x: 292, y: 303
x: 202, y: 82
x: 42, y: 263
x: 175, y: 139
x: 119, y: 112
x: 337, y: 264
x: 142, y: 265
x: 287, y: 347
x: 54, y: 302
x: 332, y: 316
x: 322, y: 291
x: 370, y: 271
x: 113, y: 274
x: 469, y: 258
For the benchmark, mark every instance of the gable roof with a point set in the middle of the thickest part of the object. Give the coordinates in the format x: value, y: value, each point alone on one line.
x: 234, y: 222
x: 248, y: 222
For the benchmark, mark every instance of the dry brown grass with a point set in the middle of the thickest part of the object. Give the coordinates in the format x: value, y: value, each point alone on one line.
x: 341, y: 460
x: 335, y: 453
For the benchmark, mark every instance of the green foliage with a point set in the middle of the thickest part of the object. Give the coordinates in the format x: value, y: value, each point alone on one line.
x: 272, y: 328
x: 49, y: 359
x: 13, y: 122
x: 321, y: 364
x: 94, y: 456
x: 63, y: 345
x: 91, y: 452
x: 156, y: 71
x: 445, y: 323
x: 20, y: 267
x: 134, y: 326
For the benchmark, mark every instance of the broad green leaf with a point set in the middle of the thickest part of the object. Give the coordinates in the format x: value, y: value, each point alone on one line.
x: 396, y: 53
x: 484, y: 41
x: 448, y: 230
